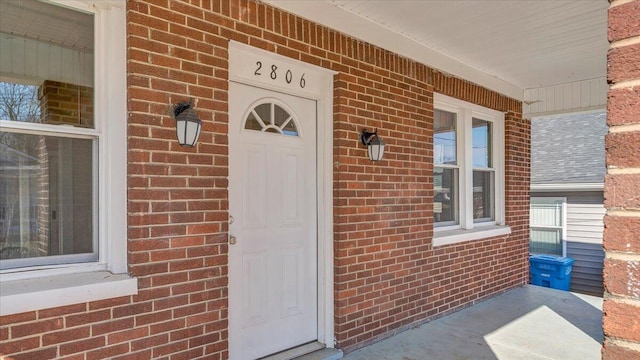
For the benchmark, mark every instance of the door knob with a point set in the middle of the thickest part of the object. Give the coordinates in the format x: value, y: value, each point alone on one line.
x: 232, y: 240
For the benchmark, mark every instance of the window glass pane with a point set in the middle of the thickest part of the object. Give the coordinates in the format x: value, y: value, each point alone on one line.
x: 545, y: 241
x: 444, y: 137
x: 46, y: 197
x: 252, y: 123
x: 483, y: 198
x: 280, y: 115
x: 264, y: 112
x: 19, y: 102
x: 445, y: 202
x: 280, y: 123
x: 546, y: 225
x: 50, y: 76
x: 482, y: 143
x: 290, y: 128
x: 285, y: 122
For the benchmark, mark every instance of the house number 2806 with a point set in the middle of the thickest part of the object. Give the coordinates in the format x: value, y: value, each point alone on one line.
x: 274, y: 72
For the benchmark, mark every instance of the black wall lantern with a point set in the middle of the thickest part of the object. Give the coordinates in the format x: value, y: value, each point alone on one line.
x: 188, y: 124
x: 375, y: 144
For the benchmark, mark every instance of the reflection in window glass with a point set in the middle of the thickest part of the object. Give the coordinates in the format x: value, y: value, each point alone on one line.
x: 263, y: 111
x: 290, y: 128
x: 445, y: 202
x: 482, y: 196
x: 252, y: 123
x: 47, y: 207
x: 482, y: 143
x: 280, y: 115
x: 60, y: 72
x: 19, y: 102
x: 46, y: 196
x: 444, y: 137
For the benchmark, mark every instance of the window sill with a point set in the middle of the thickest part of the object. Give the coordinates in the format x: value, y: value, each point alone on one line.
x: 448, y: 237
x: 47, y: 292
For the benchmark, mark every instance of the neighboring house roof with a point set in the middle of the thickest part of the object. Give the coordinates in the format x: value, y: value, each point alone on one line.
x: 568, y: 150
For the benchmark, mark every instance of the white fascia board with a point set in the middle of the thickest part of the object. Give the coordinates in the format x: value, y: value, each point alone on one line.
x: 568, y: 187
x: 325, y: 13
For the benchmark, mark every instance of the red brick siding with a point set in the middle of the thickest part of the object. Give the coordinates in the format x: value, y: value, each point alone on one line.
x: 622, y: 63
x: 621, y: 312
x: 623, y: 149
x: 617, y: 352
x: 622, y: 190
x: 624, y: 21
x: 621, y: 321
x: 387, y: 274
x: 517, y: 184
x: 623, y: 105
x: 621, y: 277
x: 621, y: 234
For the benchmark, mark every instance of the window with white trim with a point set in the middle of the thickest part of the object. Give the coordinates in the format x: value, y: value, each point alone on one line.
x: 468, y: 154
x: 547, y: 225
x: 62, y: 145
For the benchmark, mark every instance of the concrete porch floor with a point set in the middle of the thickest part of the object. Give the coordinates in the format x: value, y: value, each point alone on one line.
x: 529, y: 322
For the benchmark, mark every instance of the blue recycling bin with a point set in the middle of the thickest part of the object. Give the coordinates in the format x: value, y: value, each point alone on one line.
x: 551, y: 271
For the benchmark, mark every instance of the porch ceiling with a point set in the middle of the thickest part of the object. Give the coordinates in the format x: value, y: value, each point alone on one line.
x: 506, y: 45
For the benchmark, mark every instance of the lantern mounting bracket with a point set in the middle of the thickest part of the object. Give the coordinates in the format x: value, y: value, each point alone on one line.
x: 366, y: 137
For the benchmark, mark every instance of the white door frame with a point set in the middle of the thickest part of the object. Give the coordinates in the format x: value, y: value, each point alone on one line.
x: 255, y: 67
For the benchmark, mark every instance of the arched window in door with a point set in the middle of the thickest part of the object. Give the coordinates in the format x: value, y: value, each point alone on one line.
x: 272, y: 118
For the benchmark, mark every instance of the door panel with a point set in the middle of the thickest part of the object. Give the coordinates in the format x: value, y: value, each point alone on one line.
x: 273, y: 201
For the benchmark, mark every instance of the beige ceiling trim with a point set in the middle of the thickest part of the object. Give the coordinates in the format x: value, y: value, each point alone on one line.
x: 579, y: 96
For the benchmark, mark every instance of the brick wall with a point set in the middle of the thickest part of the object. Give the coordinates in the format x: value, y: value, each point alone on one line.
x: 621, y: 320
x: 387, y: 274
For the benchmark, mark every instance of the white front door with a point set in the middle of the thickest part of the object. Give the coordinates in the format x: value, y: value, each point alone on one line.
x: 273, y: 222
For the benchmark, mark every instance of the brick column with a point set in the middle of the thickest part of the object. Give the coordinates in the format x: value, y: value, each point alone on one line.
x: 621, y: 320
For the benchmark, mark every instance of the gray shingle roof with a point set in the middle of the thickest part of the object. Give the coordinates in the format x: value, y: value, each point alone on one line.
x: 568, y: 148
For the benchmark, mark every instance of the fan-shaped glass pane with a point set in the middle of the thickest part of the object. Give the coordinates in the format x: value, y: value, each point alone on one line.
x: 271, y: 118
x: 264, y: 112
x: 252, y: 123
x: 280, y: 115
x: 290, y: 129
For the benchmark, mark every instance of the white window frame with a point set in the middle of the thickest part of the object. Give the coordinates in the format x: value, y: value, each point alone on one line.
x: 40, y: 287
x: 467, y: 229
